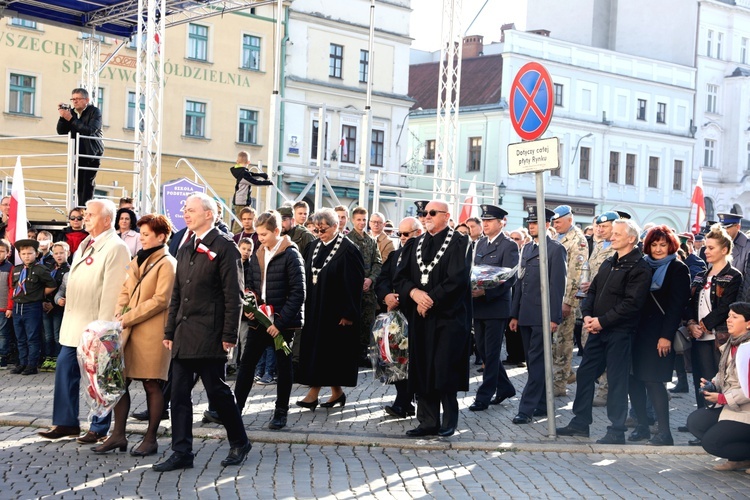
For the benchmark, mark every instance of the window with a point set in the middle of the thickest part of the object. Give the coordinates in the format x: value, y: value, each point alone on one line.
x: 349, y: 149
x: 22, y: 94
x: 130, y: 123
x: 708, y: 152
x: 614, y: 166
x: 719, y: 40
x: 364, y: 66
x: 197, y: 42
x: 251, y: 52
x: 314, y: 145
x: 100, y: 99
x: 475, y: 154
x: 23, y: 23
x: 376, y: 148
x: 661, y: 112
x: 557, y: 172
x: 709, y: 43
x: 677, y: 180
x: 558, y: 94
x: 743, y: 51
x: 641, y: 109
x: 248, y: 126
x: 630, y: 169
x: 336, y: 60
x: 584, y: 163
x: 712, y: 96
x: 709, y: 208
x: 653, y: 172
x: 195, y: 119
x: 89, y: 35
x: 429, y: 156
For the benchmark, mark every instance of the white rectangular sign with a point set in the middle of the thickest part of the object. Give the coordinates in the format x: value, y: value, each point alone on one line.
x: 533, y: 156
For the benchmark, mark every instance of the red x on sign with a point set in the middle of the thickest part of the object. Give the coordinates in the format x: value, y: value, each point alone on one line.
x: 531, y: 101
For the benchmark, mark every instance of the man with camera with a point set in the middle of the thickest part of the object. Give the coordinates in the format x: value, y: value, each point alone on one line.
x: 85, y: 119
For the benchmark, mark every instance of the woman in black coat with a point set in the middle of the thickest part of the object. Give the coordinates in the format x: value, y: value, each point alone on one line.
x: 329, y: 344
x: 653, y: 357
x: 277, y: 276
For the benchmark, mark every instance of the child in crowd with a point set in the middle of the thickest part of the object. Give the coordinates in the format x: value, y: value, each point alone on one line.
x: 74, y: 234
x: 52, y: 318
x: 44, y: 256
x: 246, y: 250
x: 30, y: 283
x: 6, y: 326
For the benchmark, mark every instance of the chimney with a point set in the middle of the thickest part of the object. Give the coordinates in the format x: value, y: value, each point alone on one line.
x: 472, y: 47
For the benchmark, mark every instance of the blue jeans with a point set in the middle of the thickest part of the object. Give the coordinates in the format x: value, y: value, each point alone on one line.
x: 27, y: 319
x: 52, y: 321
x: 67, y: 392
x: 267, y: 363
x: 6, y: 332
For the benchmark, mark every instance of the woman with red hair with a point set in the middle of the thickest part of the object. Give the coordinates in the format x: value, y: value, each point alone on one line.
x: 653, y: 356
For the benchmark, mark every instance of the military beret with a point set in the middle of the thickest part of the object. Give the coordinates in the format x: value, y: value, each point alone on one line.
x: 562, y: 211
x: 607, y: 217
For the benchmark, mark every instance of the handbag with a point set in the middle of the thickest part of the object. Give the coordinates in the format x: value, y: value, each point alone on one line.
x: 682, y: 340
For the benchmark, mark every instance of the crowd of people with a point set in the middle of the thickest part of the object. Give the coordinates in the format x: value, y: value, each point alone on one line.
x: 292, y: 297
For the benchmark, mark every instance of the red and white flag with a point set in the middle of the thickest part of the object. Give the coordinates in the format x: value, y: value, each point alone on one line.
x: 700, y: 203
x: 17, y: 221
x: 344, y: 148
x: 469, y: 208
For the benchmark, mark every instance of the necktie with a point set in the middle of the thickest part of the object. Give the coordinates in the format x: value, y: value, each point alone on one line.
x: 197, y: 245
x: 91, y: 242
x: 190, y: 235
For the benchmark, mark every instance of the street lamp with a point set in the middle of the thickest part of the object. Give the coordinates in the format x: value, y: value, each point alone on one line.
x: 501, y: 192
x: 404, y: 123
x: 578, y: 144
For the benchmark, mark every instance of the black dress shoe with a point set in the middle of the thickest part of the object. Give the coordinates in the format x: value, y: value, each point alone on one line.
x: 143, y: 415
x: 539, y: 413
x: 447, y: 432
x: 279, y: 419
x: 695, y: 442
x: 210, y: 416
x: 612, y: 438
x: 478, y: 406
x: 174, y: 462
x: 499, y: 399
x: 237, y: 455
x: 661, y: 439
x: 311, y: 405
x: 522, y: 418
x: 60, y: 431
x: 421, y: 432
x: 641, y: 433
x: 570, y: 430
x: 395, y: 411
x: 683, y: 428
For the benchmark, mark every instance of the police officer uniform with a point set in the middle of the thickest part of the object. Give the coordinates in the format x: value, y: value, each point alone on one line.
x: 491, y: 312
x: 527, y: 310
x: 577, y: 249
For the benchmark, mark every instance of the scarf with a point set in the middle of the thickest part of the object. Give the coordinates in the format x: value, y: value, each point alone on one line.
x: 142, y: 254
x: 725, y: 364
x: 659, y: 266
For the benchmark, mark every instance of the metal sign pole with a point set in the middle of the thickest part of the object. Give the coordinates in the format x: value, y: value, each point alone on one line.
x: 544, y: 287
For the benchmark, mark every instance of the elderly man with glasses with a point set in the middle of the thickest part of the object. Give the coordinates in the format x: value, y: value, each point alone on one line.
x: 84, y: 119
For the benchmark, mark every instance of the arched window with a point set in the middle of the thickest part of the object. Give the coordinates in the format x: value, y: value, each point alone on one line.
x: 710, y: 213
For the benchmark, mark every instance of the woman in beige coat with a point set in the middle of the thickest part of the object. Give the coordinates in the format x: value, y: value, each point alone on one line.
x: 142, y: 308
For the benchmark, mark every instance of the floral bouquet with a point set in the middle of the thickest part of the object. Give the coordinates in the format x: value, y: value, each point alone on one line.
x: 484, y: 276
x: 389, y: 351
x: 264, y: 316
x: 101, y: 359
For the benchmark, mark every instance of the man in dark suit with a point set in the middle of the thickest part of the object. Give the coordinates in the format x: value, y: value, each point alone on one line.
x: 526, y: 313
x: 434, y: 291
x: 85, y: 119
x: 203, y: 322
x: 492, y: 309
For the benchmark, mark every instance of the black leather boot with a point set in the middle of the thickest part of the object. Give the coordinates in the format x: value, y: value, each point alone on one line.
x: 279, y: 419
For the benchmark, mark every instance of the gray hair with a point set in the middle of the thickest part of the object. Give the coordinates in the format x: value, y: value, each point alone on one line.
x: 108, y: 208
x: 633, y: 229
x: 377, y: 214
x: 208, y: 203
x: 327, y: 215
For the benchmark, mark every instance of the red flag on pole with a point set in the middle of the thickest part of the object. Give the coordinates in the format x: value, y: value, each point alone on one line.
x: 469, y: 208
x: 17, y: 221
x: 700, y: 203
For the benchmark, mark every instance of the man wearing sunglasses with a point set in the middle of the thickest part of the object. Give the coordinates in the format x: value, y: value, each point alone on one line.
x: 434, y: 291
x: 74, y: 234
x: 81, y: 117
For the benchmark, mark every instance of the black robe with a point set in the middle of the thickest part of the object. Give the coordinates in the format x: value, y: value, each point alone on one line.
x: 328, y: 352
x: 439, y: 343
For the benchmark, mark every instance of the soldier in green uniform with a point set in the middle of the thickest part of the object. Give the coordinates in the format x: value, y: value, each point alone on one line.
x: 577, y: 248
x: 371, y: 255
x: 299, y: 235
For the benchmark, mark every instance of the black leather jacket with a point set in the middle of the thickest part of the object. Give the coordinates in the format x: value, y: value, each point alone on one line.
x: 89, y: 124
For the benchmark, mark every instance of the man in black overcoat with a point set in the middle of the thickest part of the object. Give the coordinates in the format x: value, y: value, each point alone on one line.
x: 204, y: 318
x: 433, y: 284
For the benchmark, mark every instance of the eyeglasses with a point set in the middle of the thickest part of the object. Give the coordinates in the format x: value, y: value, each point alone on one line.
x: 79, y: 218
x: 78, y: 99
x: 323, y: 229
x: 406, y: 233
x: 433, y: 213
x: 517, y: 239
x: 378, y: 222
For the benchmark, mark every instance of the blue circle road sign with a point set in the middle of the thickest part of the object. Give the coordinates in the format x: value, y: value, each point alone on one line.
x: 531, y: 102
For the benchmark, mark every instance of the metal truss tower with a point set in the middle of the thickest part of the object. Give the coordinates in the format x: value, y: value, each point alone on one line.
x: 449, y: 91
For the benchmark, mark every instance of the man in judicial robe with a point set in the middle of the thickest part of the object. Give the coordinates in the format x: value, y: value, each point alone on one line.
x: 434, y: 290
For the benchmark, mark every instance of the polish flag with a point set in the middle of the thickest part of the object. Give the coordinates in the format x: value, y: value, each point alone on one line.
x: 344, y: 149
x: 698, y: 200
x: 17, y: 222
x: 469, y: 207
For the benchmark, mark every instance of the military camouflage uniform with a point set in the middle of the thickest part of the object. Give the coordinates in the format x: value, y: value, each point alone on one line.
x: 577, y: 249
x: 598, y: 256
x: 301, y: 237
x: 371, y: 255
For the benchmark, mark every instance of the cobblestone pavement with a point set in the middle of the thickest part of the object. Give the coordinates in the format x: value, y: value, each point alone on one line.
x: 356, y: 451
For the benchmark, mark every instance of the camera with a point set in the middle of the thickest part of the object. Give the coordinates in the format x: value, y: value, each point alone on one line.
x: 65, y: 106
x: 709, y: 387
